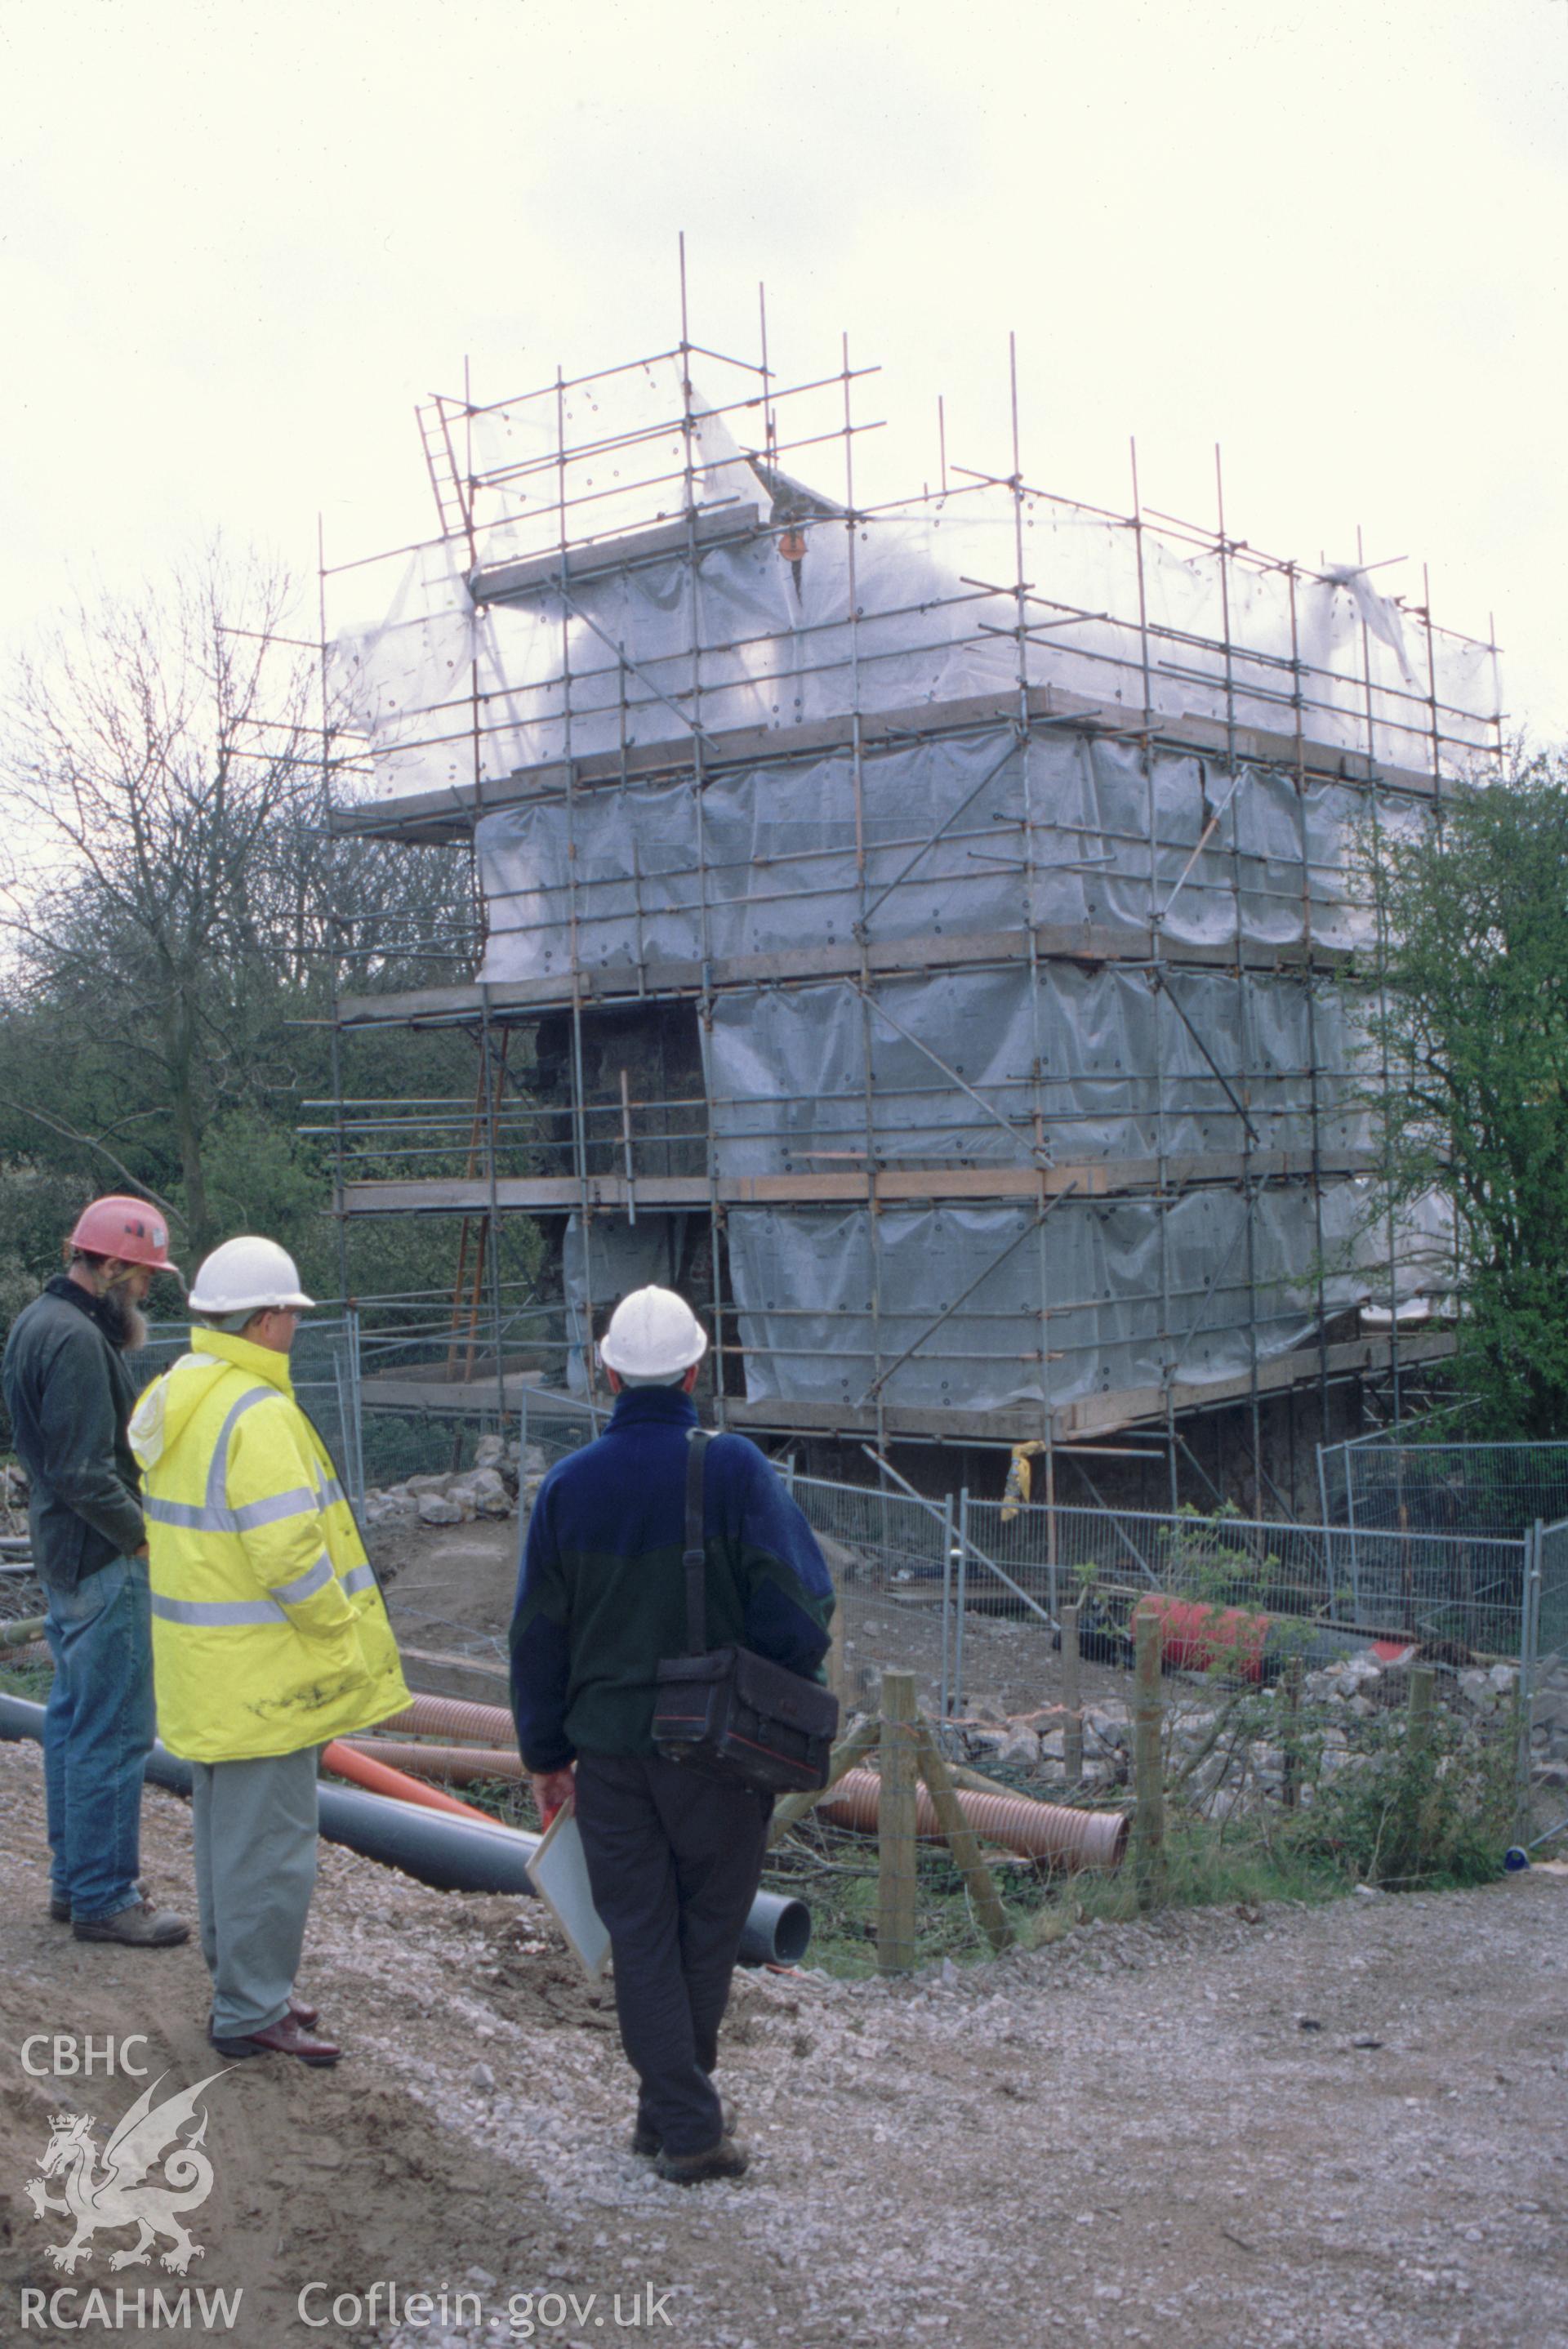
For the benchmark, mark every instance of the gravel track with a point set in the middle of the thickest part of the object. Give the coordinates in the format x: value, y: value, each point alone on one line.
x: 1130, y: 2136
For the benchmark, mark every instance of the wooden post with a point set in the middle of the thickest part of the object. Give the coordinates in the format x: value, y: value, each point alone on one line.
x: 1413, y: 1773
x: 1418, y: 1727
x: 845, y: 1754
x: 961, y: 1840
x: 1149, y: 1767
x: 895, y: 1826
x: 1291, y: 1741
x: 1072, y: 1697
x: 1419, y: 1720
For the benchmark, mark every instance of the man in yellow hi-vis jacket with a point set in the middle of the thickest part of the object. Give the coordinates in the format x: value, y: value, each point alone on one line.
x: 269, y: 1635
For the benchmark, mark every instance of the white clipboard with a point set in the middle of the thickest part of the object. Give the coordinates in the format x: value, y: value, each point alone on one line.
x: 559, y: 1874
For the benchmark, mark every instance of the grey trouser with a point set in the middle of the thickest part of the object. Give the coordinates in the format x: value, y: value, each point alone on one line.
x: 672, y: 1862
x: 255, y: 1828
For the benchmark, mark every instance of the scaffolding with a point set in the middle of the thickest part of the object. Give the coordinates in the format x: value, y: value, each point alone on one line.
x: 930, y: 931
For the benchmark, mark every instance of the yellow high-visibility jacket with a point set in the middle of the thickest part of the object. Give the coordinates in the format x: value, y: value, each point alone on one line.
x: 268, y: 1628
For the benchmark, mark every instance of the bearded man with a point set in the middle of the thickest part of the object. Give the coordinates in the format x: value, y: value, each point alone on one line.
x: 69, y: 1392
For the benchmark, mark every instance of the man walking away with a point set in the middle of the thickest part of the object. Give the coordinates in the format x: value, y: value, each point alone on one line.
x: 673, y: 1856
x: 69, y: 1392
x: 268, y: 1633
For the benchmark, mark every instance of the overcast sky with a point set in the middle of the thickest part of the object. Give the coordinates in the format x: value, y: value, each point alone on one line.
x: 240, y: 238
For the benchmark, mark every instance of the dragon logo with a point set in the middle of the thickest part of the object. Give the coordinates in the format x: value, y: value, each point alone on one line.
x: 119, y: 2192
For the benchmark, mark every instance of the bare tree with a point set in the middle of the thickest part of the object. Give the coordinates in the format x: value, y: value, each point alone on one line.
x: 155, y: 758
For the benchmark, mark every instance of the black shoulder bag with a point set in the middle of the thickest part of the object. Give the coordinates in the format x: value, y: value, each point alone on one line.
x: 729, y: 1713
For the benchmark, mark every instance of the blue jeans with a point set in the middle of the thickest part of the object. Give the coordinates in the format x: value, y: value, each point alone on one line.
x: 98, y: 1728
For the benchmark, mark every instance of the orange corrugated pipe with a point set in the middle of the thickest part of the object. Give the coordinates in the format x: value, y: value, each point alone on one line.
x: 1039, y: 1830
x: 452, y: 1716
x: 348, y: 1761
x: 460, y: 1761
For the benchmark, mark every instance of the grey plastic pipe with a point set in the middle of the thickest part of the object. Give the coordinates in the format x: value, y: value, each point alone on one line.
x: 450, y: 1854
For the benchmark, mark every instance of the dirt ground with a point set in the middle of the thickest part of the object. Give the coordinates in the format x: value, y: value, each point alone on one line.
x: 1315, y: 2128
x: 450, y: 1589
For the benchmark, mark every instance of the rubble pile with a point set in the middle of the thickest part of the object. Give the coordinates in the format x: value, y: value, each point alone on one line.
x: 1226, y: 1747
x: 504, y: 1477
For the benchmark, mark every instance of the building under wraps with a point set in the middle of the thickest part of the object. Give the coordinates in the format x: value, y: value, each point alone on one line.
x: 932, y: 933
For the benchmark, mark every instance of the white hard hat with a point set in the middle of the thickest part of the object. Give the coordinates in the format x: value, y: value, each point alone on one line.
x: 653, y: 1334
x: 247, y: 1275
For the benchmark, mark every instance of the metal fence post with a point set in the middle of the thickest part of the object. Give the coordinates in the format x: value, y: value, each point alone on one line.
x: 1328, y: 1537
x: 946, y: 1706
x: 1354, y: 1552
x: 1529, y: 1620
x: 958, y: 1627
x: 356, y: 1405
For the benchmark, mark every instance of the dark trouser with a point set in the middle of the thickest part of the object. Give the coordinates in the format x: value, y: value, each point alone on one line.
x: 98, y: 1732
x: 673, y: 1861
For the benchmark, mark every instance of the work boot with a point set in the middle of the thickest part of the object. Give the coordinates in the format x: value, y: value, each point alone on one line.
x: 140, y: 1927
x: 725, y: 2160
x: 287, y: 2036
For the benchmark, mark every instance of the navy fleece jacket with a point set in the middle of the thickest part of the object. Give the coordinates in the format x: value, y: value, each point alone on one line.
x: 602, y: 1594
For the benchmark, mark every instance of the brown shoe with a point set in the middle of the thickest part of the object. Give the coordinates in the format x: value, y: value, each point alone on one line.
x: 140, y: 1927
x: 308, y: 2016
x: 725, y: 2160
x: 287, y: 2036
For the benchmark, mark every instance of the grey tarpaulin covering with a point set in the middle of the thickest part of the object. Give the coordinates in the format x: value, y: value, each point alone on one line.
x: 1103, y: 1284
x: 963, y: 832
x: 616, y: 1257
x: 972, y: 833
x: 1113, y: 1067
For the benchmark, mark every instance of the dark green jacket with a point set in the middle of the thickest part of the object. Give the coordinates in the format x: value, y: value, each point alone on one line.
x: 69, y: 1392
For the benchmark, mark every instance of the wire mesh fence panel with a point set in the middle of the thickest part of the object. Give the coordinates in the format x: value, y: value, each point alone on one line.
x: 891, y: 1559
x: 1018, y: 1564
x: 1444, y: 1486
x: 1551, y: 1617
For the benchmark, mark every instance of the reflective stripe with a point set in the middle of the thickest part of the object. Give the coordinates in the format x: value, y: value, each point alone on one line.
x: 302, y: 1500
x: 305, y: 1585
x: 358, y: 1578
x: 224, y: 1611
x: 188, y: 1513
x: 218, y: 1474
x: 331, y: 1490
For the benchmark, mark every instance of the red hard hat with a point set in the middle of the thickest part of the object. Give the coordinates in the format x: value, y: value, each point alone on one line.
x: 127, y: 1228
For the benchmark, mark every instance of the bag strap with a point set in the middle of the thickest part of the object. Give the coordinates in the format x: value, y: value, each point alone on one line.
x: 695, y: 1556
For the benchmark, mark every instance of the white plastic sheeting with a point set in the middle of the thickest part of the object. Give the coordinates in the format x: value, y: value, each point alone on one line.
x: 971, y: 832
x: 913, y: 607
